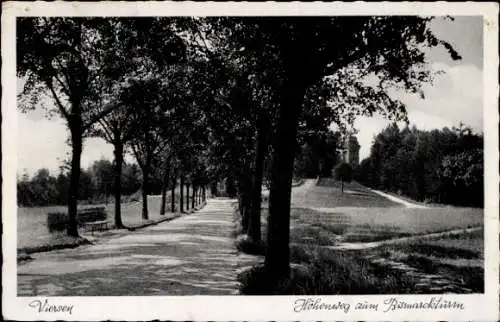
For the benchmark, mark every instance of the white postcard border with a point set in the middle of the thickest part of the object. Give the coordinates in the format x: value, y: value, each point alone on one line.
x: 254, y: 308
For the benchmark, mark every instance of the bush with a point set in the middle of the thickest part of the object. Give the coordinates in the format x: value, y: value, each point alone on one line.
x: 343, y: 172
x: 258, y: 281
x: 247, y: 245
x: 57, y: 221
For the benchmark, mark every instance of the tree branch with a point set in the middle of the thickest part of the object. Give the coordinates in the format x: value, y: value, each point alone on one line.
x: 61, y: 108
x: 137, y: 155
x: 99, y: 116
x: 64, y: 87
x: 108, y: 133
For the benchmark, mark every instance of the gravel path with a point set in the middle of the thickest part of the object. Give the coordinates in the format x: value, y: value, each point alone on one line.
x: 358, y: 246
x: 192, y: 255
x: 399, y: 200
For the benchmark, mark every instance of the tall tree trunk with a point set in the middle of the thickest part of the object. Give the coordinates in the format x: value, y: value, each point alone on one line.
x: 118, y: 183
x: 213, y: 189
x: 145, y: 182
x: 163, y: 199
x: 230, y: 187
x: 256, y: 192
x: 187, y: 196
x: 172, y: 194
x: 76, y: 152
x: 181, y: 199
x: 193, y: 200
x: 163, y: 207
x: 244, y: 200
x: 277, y: 260
x: 316, y: 162
x: 193, y: 196
x: 204, y: 195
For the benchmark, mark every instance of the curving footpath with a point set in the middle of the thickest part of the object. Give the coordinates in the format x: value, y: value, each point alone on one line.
x: 191, y: 255
x: 407, y: 204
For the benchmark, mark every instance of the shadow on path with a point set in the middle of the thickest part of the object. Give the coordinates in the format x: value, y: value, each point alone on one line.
x: 192, y: 255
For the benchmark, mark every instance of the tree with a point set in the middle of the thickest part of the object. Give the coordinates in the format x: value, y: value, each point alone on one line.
x: 74, y: 60
x: 115, y: 128
x: 463, y: 175
x: 130, y: 179
x: 318, y: 153
x: 162, y: 164
x: 62, y: 183
x: 86, y: 188
x: 426, y: 165
x: 158, y: 127
x: 143, y: 96
x: 343, y: 173
x: 102, y: 173
x: 62, y: 56
x: 149, y: 44
x: 242, y: 88
x: 389, y: 47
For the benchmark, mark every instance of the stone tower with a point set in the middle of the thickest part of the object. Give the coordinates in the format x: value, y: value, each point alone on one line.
x: 348, y: 151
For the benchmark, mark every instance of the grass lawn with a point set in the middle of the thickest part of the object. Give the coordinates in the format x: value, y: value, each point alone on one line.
x: 354, y: 224
x: 32, y: 228
x: 328, y: 193
x: 317, y: 271
x: 369, y: 224
x: 359, y: 215
x: 459, y: 258
x: 471, y: 242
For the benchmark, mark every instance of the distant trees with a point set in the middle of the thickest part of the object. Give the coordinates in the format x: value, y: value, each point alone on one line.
x: 462, y: 178
x: 317, y: 154
x: 443, y: 166
x: 40, y: 190
x: 96, y: 184
x: 102, y: 172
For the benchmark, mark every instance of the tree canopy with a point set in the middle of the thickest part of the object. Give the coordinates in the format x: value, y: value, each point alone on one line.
x: 224, y: 98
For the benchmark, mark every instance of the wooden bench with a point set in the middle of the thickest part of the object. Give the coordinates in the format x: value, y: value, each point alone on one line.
x: 91, y: 214
x: 58, y: 221
x: 96, y: 226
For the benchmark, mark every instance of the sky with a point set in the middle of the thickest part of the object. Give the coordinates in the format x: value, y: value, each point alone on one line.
x: 456, y: 95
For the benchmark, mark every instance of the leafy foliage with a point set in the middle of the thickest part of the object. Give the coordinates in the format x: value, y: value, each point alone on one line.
x: 343, y: 172
x: 216, y: 98
x: 443, y: 166
x: 318, y: 153
x: 44, y: 189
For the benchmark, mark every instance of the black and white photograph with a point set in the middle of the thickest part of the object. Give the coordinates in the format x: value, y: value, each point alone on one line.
x: 317, y: 157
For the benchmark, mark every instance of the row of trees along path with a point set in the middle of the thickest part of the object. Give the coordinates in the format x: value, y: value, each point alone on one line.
x: 206, y: 99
